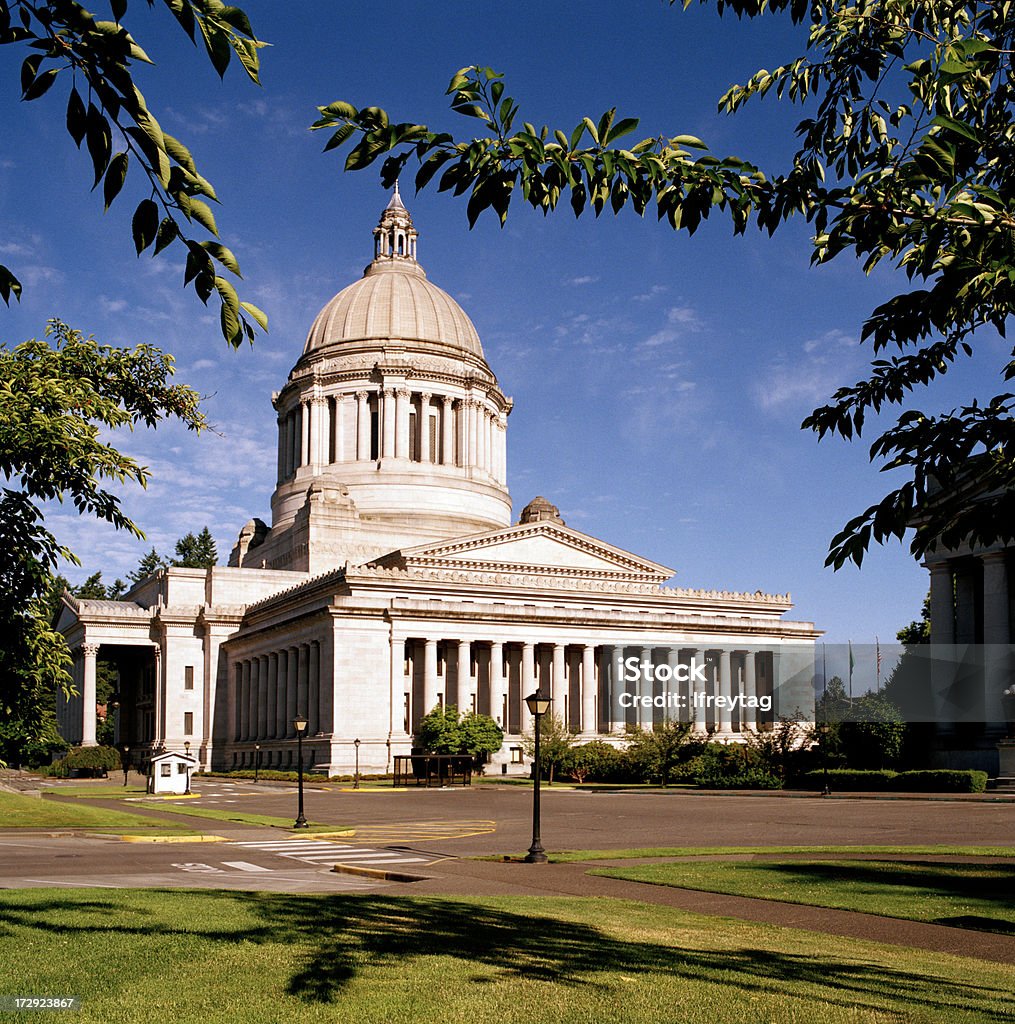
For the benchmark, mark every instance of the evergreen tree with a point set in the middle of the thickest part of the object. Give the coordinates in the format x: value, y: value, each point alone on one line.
x: 196, y: 552
x: 148, y: 566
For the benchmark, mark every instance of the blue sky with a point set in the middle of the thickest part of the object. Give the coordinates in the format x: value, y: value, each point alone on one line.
x: 659, y: 381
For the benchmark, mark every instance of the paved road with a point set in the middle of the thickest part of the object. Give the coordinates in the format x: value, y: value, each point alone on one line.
x: 427, y: 829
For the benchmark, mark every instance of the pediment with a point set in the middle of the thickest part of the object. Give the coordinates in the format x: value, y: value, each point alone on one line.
x: 543, y: 548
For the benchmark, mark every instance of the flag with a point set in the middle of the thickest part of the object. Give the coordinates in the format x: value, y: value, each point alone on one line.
x: 877, y: 648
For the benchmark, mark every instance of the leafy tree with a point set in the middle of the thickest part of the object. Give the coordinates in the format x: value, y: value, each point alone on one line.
x: 445, y: 731
x: 658, y: 751
x: 555, y: 744
x: 591, y: 761
x: 873, y: 734
x: 56, y: 396
x: 776, y: 752
x: 904, y: 156
x: 196, y: 552
x: 917, y: 632
x: 63, y: 42
x: 148, y: 566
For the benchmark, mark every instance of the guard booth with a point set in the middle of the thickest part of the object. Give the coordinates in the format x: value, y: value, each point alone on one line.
x: 170, y: 773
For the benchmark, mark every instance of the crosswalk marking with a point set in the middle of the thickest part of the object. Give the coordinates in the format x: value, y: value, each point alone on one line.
x: 320, y: 852
x: 244, y: 865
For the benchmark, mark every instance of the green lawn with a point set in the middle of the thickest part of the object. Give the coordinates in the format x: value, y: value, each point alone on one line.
x: 978, y: 896
x: 18, y: 811
x: 233, y: 958
x: 574, y: 856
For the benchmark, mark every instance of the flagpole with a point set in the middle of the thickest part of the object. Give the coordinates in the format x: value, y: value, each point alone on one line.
x: 877, y: 647
x: 850, y: 673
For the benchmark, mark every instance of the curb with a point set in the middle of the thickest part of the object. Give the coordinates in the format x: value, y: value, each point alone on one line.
x: 379, y: 873
x: 326, y: 835
x: 170, y: 839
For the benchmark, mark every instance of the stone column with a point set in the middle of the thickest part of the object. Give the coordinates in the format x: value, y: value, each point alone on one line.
x: 255, y: 669
x: 674, y: 713
x: 528, y: 685
x: 302, y: 681
x: 88, y: 717
x: 503, y: 448
x: 749, y: 717
x: 281, y: 449
x: 401, y: 423
x: 996, y: 634
x: 497, y: 683
x: 340, y: 414
x: 429, y: 676
x: 644, y: 716
x: 272, y: 709
x: 483, y: 422
x: 696, y: 687
x: 558, y: 684
x: 313, y: 688
x: 965, y: 604
x: 424, y: 428
x: 304, y: 456
x: 725, y: 717
x: 473, y: 433
x: 261, y: 698
x: 448, y: 431
x: 244, y: 699
x: 942, y: 603
x: 282, y: 694
x: 362, y: 426
x: 388, y: 423
x: 464, y: 699
x: 588, y: 689
x: 319, y: 431
x: 291, y: 690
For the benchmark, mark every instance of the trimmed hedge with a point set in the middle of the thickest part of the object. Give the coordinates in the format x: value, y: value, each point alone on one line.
x: 749, y: 778
x: 87, y: 761
x: 931, y: 781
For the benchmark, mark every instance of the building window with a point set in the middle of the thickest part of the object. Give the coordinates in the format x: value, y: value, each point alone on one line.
x: 188, y: 723
x: 188, y: 677
x: 516, y: 755
x: 166, y: 770
x: 413, y: 437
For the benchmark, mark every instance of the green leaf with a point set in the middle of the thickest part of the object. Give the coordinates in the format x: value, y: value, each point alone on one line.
x: 201, y: 212
x: 76, y: 117
x: 339, y: 137
x: 957, y: 127
x: 168, y: 232
x: 179, y: 152
x: 99, y: 140
x: 29, y: 69
x: 338, y: 109
x: 41, y: 84
x: 115, y: 177
x: 223, y: 255
x: 260, y: 316
x: 119, y: 8
x: 9, y: 285
x: 144, y: 224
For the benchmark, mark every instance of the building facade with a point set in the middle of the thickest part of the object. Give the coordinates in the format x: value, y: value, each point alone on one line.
x: 392, y: 578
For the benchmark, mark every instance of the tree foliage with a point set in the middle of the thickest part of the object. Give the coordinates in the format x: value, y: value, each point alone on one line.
x: 58, y: 397
x: 196, y: 552
x: 658, y: 750
x: 445, y: 731
x: 904, y: 157
x: 556, y: 742
x: 96, y: 61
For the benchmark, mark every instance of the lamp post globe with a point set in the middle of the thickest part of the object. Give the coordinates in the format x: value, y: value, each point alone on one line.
x: 538, y: 705
x: 300, y: 726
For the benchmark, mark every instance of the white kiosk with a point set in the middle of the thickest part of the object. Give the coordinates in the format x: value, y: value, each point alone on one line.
x: 170, y: 773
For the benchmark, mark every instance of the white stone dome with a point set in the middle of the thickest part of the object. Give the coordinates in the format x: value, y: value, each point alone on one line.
x: 394, y: 301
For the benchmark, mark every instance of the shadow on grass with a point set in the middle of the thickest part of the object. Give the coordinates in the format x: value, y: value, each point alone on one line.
x: 989, y: 888
x: 340, y: 936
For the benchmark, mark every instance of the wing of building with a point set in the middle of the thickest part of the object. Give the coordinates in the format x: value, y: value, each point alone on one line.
x: 392, y: 578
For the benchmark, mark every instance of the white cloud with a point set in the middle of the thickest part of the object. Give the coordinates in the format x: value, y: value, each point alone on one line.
x: 583, y: 279
x: 807, y: 378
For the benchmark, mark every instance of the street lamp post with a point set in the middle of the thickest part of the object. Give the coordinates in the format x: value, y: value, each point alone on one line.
x: 257, y: 760
x: 355, y: 782
x: 823, y: 729
x: 538, y: 706
x: 126, y: 763
x: 186, y: 748
x: 300, y: 725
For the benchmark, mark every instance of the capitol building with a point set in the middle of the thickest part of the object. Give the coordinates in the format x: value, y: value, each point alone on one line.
x: 394, y: 578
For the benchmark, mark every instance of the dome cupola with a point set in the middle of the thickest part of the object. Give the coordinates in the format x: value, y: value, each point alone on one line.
x: 392, y: 427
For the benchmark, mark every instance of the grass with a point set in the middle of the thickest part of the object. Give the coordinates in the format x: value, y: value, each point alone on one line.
x: 98, y: 792
x: 576, y: 856
x: 18, y: 811
x: 233, y: 958
x: 243, y: 817
x: 980, y: 896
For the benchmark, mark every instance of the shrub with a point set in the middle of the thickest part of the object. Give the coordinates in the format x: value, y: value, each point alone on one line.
x: 745, y: 778
x: 87, y: 761
x: 941, y: 781
x: 851, y: 779
x: 591, y: 762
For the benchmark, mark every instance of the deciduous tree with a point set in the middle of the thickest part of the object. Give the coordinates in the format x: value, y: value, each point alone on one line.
x: 905, y: 156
